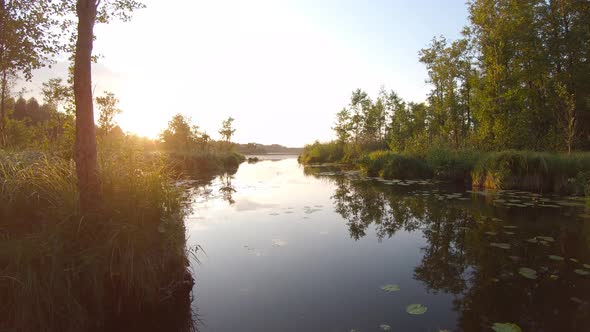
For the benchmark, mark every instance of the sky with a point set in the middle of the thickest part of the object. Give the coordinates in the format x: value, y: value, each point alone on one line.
x: 281, y: 68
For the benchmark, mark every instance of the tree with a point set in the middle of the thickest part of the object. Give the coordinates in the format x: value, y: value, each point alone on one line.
x: 180, y: 135
x: 227, y: 131
x: 28, y: 40
x: 108, y: 107
x: 89, y: 12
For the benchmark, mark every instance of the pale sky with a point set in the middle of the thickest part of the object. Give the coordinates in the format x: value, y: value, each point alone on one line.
x: 281, y: 68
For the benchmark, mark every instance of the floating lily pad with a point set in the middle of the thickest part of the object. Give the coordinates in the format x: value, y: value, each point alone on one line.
x: 510, y: 226
x: 416, y: 309
x: 582, y: 272
x: 546, y: 238
x: 556, y: 258
x: 506, y: 327
x: 500, y: 245
x: 509, y: 233
x: 491, y: 233
x: 574, y: 260
x: 533, y: 240
x: 553, y: 277
x: 385, y: 327
x: 586, y: 266
x: 527, y: 273
x: 390, y: 288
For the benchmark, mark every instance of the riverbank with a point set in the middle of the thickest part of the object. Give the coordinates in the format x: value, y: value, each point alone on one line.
x: 124, y: 265
x: 521, y: 170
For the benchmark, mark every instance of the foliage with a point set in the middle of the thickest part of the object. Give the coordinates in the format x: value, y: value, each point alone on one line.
x: 108, y: 109
x: 66, y: 271
x: 452, y: 165
x: 390, y: 165
x: 322, y: 153
x: 534, y: 171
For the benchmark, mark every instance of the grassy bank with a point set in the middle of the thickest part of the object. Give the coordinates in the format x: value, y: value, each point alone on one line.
x: 63, y: 271
x: 522, y: 170
x: 209, y: 162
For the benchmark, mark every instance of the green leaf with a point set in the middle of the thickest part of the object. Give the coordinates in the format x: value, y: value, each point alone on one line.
x: 385, y: 327
x: 416, y: 309
x: 506, y: 327
x: 390, y: 288
x: 527, y: 273
x: 582, y: 272
x: 556, y: 258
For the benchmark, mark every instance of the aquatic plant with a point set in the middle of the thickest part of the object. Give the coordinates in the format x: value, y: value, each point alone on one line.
x: 64, y: 271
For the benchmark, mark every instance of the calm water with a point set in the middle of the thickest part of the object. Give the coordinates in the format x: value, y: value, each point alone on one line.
x: 294, y: 249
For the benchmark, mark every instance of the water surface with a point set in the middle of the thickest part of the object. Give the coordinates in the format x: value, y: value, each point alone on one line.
x: 309, y: 249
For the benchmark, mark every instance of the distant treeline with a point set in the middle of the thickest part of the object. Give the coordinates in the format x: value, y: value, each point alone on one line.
x: 255, y: 148
x: 518, y: 79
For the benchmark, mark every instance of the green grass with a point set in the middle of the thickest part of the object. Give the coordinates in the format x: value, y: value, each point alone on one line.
x: 210, y: 162
x: 534, y: 171
x: 391, y: 165
x: 62, y: 271
x: 322, y: 153
x: 452, y: 165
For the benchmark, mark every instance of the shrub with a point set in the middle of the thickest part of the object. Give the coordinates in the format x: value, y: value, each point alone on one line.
x: 535, y: 171
x: 452, y: 165
x: 390, y: 165
x: 322, y: 153
x: 62, y: 271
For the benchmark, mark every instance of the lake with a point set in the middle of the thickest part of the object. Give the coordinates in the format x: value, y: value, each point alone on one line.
x: 288, y: 248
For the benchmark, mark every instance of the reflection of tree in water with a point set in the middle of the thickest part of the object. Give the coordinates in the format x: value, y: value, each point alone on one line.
x: 227, y: 189
x: 458, y: 259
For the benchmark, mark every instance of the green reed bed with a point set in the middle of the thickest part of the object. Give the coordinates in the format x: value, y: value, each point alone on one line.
x: 62, y: 271
x: 533, y: 171
x: 211, y: 162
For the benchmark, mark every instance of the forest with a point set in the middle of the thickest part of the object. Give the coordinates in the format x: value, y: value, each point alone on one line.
x: 518, y: 80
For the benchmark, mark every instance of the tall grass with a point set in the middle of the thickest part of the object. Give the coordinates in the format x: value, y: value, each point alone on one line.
x: 63, y: 271
x: 452, y: 165
x: 205, y: 161
x: 322, y: 153
x: 391, y: 165
x: 534, y: 171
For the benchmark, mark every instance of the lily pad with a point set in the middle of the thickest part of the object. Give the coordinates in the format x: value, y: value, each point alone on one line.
x: 574, y: 260
x: 390, y: 288
x: 416, y: 309
x: 582, y: 272
x: 509, y: 233
x: 556, y: 258
x: 553, y: 277
x: 527, y: 273
x: 510, y: 226
x: 533, y: 240
x: 586, y: 266
x: 506, y: 327
x: 385, y: 327
x: 491, y: 233
x: 500, y: 245
x: 546, y: 238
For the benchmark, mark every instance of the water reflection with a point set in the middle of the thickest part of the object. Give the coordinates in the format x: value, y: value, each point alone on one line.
x: 459, y: 260
x: 348, y: 235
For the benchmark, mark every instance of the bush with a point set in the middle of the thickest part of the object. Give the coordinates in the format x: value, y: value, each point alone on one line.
x: 452, y: 165
x: 390, y: 165
x: 63, y: 271
x: 322, y: 153
x: 534, y: 171
x: 209, y: 162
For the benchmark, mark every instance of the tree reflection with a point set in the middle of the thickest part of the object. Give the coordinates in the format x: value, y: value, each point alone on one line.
x: 459, y: 260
